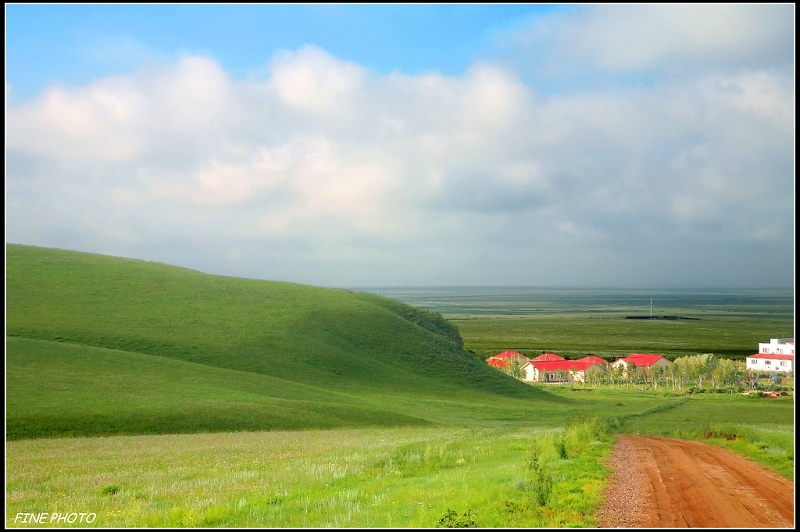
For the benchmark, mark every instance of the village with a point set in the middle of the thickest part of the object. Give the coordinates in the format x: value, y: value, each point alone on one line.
x: 774, y: 362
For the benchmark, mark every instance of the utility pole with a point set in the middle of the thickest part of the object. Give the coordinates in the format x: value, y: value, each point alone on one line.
x: 651, y: 307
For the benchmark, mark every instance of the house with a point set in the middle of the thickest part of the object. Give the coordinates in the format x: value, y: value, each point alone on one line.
x: 641, y: 360
x: 506, y: 359
x: 777, y: 346
x: 557, y: 369
x: 775, y: 356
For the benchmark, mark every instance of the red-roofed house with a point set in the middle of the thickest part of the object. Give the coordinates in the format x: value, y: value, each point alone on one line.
x: 776, y: 356
x: 560, y: 370
x: 547, y: 357
x: 506, y: 359
x: 595, y: 359
x: 641, y: 360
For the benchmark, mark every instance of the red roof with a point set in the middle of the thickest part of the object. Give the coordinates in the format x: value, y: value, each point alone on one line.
x: 510, y: 354
x: 595, y: 359
x: 772, y: 357
x: 642, y: 359
x: 501, y: 360
x: 547, y: 357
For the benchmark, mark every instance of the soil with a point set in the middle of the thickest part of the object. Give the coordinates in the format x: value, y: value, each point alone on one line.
x: 660, y: 482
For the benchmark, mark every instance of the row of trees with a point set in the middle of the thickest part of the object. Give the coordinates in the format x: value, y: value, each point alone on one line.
x: 696, y: 371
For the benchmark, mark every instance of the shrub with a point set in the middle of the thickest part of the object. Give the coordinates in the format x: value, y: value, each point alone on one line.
x: 451, y: 519
x: 110, y: 490
x: 542, y: 485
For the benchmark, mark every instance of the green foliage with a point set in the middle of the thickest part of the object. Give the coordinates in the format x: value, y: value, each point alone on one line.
x: 561, y: 446
x: 110, y: 490
x: 451, y: 519
x: 427, y: 319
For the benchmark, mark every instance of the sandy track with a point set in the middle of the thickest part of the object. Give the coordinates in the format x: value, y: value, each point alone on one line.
x: 666, y: 482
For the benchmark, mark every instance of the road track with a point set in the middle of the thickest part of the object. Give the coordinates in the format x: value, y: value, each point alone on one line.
x: 661, y: 482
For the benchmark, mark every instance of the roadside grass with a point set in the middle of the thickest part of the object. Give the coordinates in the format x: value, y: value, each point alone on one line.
x: 501, y: 475
x: 409, y: 477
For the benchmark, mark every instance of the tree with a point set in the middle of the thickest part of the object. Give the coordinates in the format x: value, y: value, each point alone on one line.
x: 514, y: 367
x: 656, y: 374
x: 727, y: 372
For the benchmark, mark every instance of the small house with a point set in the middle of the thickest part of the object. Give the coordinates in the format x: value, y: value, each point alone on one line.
x: 560, y: 370
x: 777, y: 356
x: 641, y: 360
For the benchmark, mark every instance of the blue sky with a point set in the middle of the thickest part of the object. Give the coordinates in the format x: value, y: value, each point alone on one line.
x: 76, y: 44
x: 352, y: 145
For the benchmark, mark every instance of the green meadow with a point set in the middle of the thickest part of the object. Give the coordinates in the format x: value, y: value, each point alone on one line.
x: 575, y: 322
x: 150, y: 395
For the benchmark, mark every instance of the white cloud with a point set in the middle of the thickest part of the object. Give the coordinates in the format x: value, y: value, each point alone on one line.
x: 602, y: 42
x: 321, y: 171
x: 623, y: 37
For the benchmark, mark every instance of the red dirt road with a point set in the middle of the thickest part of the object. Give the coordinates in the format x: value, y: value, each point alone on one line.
x: 672, y: 483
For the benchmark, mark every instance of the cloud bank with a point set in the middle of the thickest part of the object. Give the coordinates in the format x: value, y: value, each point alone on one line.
x: 318, y: 170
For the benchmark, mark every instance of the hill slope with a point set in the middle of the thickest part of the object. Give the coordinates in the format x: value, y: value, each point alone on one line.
x: 314, y: 349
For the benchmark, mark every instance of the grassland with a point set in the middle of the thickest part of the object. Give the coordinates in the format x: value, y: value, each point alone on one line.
x: 151, y: 395
x: 221, y: 353
x: 575, y: 322
x: 613, y: 336
x: 523, y: 474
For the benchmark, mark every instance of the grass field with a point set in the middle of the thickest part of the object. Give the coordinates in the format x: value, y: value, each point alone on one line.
x: 379, y: 477
x: 575, y: 322
x: 148, y: 395
x: 613, y: 337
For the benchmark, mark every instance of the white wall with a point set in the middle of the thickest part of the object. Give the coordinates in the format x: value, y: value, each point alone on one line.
x: 776, y: 346
x: 775, y: 366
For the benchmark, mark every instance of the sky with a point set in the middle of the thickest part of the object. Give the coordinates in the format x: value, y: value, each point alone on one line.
x: 350, y: 145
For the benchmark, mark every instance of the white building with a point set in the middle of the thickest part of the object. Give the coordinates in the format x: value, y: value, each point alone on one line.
x: 777, y: 346
x: 777, y: 356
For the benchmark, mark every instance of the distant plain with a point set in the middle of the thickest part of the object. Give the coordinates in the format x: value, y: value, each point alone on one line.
x: 574, y: 322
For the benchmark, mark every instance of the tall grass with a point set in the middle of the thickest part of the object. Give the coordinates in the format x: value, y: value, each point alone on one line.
x: 341, y: 478
x: 545, y: 471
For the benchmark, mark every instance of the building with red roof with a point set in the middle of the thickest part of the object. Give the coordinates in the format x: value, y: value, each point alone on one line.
x: 560, y: 370
x: 776, y: 356
x: 506, y: 359
x: 641, y: 360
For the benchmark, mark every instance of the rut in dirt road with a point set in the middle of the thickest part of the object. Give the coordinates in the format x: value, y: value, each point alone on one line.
x: 667, y: 482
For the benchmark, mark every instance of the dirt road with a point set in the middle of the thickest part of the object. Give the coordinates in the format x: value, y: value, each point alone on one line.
x: 663, y: 482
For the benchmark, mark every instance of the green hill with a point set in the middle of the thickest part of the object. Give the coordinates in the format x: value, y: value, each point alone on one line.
x: 101, y: 345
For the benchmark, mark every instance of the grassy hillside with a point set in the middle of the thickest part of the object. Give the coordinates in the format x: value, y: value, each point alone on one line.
x: 99, y: 344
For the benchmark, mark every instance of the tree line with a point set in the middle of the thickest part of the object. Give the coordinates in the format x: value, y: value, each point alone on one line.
x: 698, y: 372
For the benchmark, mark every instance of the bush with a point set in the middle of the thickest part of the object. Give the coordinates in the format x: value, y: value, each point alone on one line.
x: 452, y: 520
